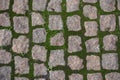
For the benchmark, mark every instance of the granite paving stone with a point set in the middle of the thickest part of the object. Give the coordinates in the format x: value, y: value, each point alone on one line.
x: 90, y: 11
x: 39, y: 53
x: 39, y: 69
x: 94, y: 76
x: 39, y: 35
x: 74, y: 44
x: 21, y: 65
x: 110, y: 61
x: 54, y: 5
x: 5, y: 19
x: 21, y: 24
x: 20, y: 44
x: 75, y: 63
x: 76, y: 77
x: 57, y: 75
x: 74, y: 23
x: 4, y: 4
x: 5, y: 37
x: 20, y: 6
x: 5, y: 73
x: 59, y: 39
x: 93, y: 62
x: 5, y: 57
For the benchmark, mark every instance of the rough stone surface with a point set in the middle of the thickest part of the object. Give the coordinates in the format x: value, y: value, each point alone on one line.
x: 5, y: 73
x: 119, y: 22
x: 56, y: 58
x: 5, y: 37
x: 108, y: 22
x: 109, y: 42
x: 76, y: 77
x: 39, y: 5
x: 90, y: 1
x: 107, y: 5
x: 94, y: 76
x: 110, y: 61
x: 75, y: 63
x: 39, y: 69
x: 72, y: 5
x: 20, y: 6
x: 57, y: 75
x: 55, y: 5
x: 40, y: 79
x: 112, y: 76
x: 4, y: 4
x: 74, y: 23
x: 74, y: 44
x: 91, y: 28
x: 4, y: 19
x: 55, y: 22
x: 90, y: 11
x: 5, y: 57
x: 118, y: 4
x: 37, y: 19
x: 21, y: 78
x: 21, y: 24
x: 20, y: 44
x: 21, y: 65
x: 39, y: 35
x: 93, y: 62
x: 39, y: 53
x: 92, y: 45
x: 57, y: 39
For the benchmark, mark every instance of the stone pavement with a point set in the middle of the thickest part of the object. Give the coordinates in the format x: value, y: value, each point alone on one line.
x: 59, y: 39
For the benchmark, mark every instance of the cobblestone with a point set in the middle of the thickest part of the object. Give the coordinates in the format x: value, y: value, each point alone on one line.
x: 5, y: 37
x: 5, y: 20
x: 55, y: 5
x: 93, y: 62
x: 55, y: 22
x: 74, y: 44
x: 72, y: 5
x: 107, y: 5
x: 21, y: 65
x: 95, y: 76
x: 109, y: 42
x: 107, y: 22
x: 74, y: 23
x: 5, y: 73
x: 20, y: 44
x: 91, y: 28
x: 37, y: 19
x: 57, y: 75
x: 90, y: 11
x: 112, y: 76
x: 39, y: 5
x: 39, y: 53
x: 4, y: 4
x: 110, y: 61
x: 21, y: 25
x: 20, y: 6
x: 5, y: 57
x: 92, y: 45
x: 75, y: 77
x: 57, y: 40
x: 75, y: 63
x: 56, y: 58
x: 39, y: 69
x: 21, y: 78
x: 39, y: 35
